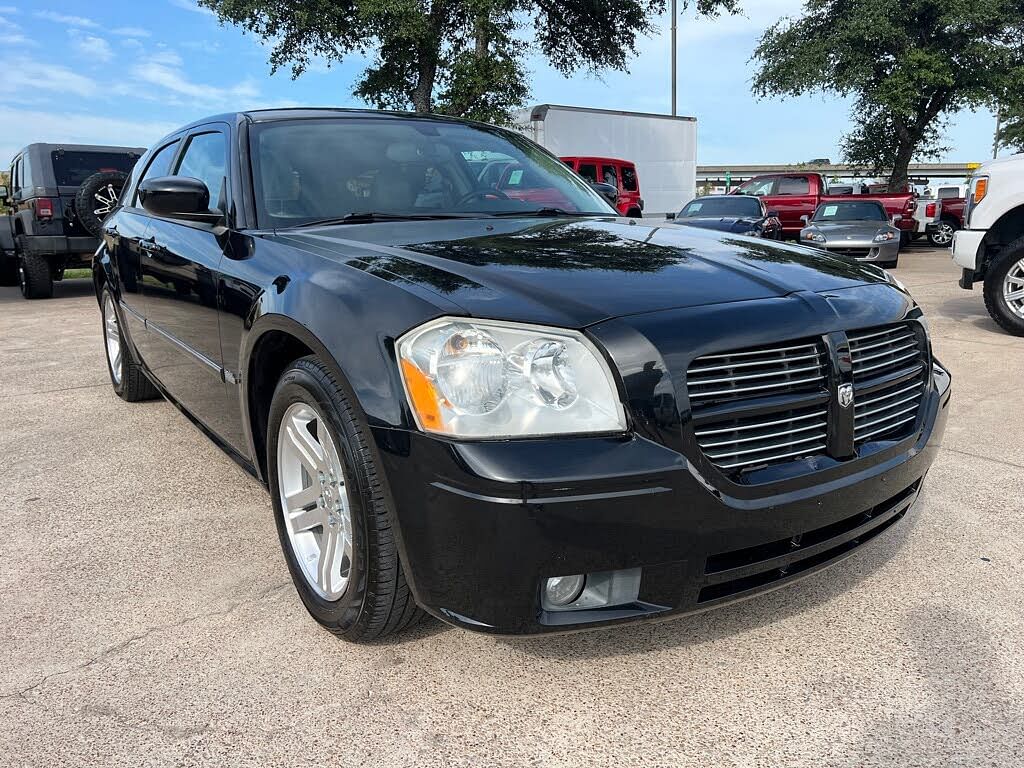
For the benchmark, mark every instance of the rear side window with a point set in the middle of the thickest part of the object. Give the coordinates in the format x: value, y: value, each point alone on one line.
x: 70, y: 169
x: 794, y: 185
x: 159, y: 165
x: 609, y: 176
x: 26, y: 171
x: 629, y: 178
x: 205, y: 159
x: 588, y: 171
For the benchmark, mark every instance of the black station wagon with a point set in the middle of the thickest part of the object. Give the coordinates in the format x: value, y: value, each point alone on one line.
x: 509, y: 408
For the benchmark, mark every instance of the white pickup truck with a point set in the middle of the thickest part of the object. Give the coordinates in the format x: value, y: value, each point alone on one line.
x: 990, y: 247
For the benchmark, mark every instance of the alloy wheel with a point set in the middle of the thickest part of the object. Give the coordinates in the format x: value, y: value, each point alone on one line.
x: 1013, y: 288
x: 943, y: 235
x: 106, y: 197
x: 112, y: 336
x: 314, y: 501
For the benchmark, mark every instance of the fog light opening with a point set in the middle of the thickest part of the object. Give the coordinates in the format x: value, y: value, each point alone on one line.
x: 563, y: 590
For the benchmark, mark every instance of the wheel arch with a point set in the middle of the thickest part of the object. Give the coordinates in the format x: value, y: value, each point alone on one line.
x: 1008, y: 228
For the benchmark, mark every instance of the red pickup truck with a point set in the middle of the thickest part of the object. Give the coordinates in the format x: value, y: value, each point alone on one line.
x: 798, y: 194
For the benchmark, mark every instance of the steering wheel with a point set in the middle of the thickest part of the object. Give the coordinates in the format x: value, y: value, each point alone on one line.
x: 483, y: 194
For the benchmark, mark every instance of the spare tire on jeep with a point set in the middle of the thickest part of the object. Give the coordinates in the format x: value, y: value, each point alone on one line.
x: 97, y: 197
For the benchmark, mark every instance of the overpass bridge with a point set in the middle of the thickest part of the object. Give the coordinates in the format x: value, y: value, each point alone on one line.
x: 716, y: 174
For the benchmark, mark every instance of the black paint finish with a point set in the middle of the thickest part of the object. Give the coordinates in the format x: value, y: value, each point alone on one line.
x: 481, y: 524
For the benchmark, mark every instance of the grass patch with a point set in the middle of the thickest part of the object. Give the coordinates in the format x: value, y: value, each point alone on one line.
x: 75, y: 274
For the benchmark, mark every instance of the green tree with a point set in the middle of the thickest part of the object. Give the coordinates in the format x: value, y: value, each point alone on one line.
x: 460, y: 57
x: 907, y: 64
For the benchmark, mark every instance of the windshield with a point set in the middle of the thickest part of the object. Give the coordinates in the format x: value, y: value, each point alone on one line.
x: 733, y: 205
x: 866, y: 211
x: 70, y: 169
x: 320, y: 169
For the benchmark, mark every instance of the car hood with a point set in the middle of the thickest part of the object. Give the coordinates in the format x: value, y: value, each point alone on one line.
x: 721, y: 223
x: 855, y: 230
x: 575, y: 272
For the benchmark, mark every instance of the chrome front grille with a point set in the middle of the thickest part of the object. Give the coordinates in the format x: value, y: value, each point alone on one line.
x: 774, y: 370
x: 777, y: 404
x: 744, y: 442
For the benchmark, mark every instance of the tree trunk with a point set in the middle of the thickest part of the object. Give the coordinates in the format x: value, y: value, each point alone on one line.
x: 428, y: 54
x: 900, y: 167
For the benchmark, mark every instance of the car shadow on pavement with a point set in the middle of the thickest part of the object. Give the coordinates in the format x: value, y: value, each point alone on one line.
x: 761, y: 610
x: 971, y: 309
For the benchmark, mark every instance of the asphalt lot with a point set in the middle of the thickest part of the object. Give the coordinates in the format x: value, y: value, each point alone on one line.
x: 146, y: 616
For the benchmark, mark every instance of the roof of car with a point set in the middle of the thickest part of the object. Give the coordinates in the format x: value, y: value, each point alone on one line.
x: 47, y: 147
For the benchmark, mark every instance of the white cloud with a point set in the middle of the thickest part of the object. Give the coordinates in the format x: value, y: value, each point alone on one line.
x: 130, y: 32
x: 96, y: 49
x: 63, y: 18
x: 19, y: 127
x: 164, y: 55
x: 8, y: 10
x: 174, y: 82
x: 190, y: 5
x: 36, y: 76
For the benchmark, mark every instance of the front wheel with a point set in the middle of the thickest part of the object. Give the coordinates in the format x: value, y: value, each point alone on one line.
x: 1004, y: 289
x: 943, y: 236
x: 332, y: 520
x: 126, y: 376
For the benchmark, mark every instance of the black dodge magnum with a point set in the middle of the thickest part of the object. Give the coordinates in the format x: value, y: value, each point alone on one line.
x: 510, y: 408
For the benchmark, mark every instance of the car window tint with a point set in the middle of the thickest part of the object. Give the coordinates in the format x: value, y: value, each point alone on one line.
x: 26, y: 171
x: 843, y: 211
x: 794, y: 185
x: 629, y: 178
x: 758, y: 187
x: 16, y: 175
x: 204, y: 159
x: 588, y: 171
x: 159, y: 165
x: 609, y: 176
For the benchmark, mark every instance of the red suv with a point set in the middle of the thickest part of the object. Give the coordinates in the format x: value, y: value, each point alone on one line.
x: 620, y: 173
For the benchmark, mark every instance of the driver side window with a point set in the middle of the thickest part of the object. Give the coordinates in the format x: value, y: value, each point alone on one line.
x: 159, y: 166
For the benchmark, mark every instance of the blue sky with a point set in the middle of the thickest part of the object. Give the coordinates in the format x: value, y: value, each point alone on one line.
x: 123, y: 72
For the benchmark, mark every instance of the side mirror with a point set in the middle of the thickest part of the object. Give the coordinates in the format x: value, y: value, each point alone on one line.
x: 608, y: 191
x: 774, y: 214
x: 805, y: 218
x: 3, y: 192
x: 670, y: 216
x: 177, y: 197
x: 896, y: 219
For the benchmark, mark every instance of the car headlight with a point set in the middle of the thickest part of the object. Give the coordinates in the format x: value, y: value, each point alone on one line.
x: 813, y: 237
x: 489, y: 379
x: 885, y: 237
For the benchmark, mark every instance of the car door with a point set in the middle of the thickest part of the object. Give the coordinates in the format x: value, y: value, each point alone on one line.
x: 124, y: 235
x: 180, y: 275
x: 792, y: 199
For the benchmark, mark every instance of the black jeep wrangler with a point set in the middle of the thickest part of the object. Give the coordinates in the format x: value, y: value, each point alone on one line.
x: 59, y: 195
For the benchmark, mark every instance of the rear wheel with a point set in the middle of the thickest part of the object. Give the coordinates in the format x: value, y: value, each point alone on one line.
x: 329, y: 507
x: 943, y: 236
x: 35, y: 277
x: 1004, y: 289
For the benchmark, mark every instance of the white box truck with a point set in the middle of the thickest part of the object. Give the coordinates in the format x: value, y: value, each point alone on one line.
x: 663, y: 148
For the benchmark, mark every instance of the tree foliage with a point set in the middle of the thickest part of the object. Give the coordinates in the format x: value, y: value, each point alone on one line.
x: 461, y: 57
x: 907, y: 64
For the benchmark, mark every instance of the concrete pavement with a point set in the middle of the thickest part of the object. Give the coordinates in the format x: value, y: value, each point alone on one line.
x: 147, y: 618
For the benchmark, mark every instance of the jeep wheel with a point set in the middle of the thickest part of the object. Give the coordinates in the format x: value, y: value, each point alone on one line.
x: 943, y: 236
x: 97, y: 197
x: 330, y: 509
x: 1004, y: 289
x: 35, y: 277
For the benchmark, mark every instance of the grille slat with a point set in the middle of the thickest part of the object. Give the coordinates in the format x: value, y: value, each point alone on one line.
x: 768, y: 370
x: 809, y: 450
x: 891, y: 411
x: 819, y: 426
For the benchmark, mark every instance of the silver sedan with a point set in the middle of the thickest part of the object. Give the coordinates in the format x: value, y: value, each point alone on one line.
x: 860, y: 229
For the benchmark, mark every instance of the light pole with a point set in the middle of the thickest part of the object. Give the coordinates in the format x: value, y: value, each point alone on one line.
x: 673, y: 58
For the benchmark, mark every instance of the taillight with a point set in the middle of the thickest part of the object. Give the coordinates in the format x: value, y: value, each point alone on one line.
x: 44, y: 208
x: 929, y: 210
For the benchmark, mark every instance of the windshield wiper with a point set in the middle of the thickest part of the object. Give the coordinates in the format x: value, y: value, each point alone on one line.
x: 549, y: 212
x: 368, y: 217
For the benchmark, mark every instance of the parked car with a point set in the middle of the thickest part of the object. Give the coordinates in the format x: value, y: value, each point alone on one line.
x: 927, y: 216
x: 737, y: 214
x: 951, y: 216
x: 990, y: 247
x: 519, y: 418
x: 59, y: 194
x: 617, y: 173
x: 795, y: 195
x: 858, y: 229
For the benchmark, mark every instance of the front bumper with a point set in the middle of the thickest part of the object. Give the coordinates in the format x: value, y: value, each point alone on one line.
x: 866, y: 250
x: 482, y: 525
x: 967, y: 247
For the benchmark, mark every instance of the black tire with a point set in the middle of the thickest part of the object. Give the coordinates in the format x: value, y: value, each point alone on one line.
x: 9, y: 271
x: 97, y: 197
x: 943, y: 237
x: 35, y: 277
x: 377, y: 601
x: 889, y: 264
x: 905, y: 238
x: 995, y: 301
x: 635, y: 213
x: 134, y: 385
